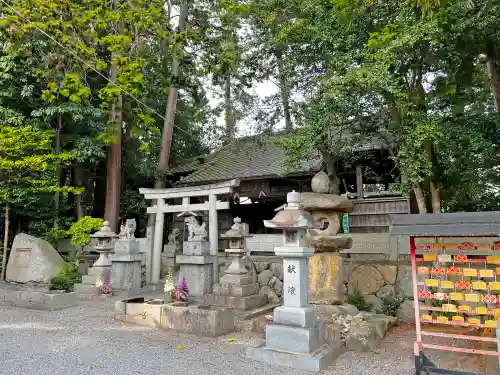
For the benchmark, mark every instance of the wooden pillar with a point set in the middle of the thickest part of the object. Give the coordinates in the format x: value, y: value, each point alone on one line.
x: 158, y: 241
x: 359, y: 181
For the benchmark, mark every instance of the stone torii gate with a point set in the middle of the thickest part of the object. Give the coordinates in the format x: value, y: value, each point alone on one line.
x: 161, y: 208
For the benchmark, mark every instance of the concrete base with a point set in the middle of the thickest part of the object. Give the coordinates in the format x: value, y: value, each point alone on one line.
x: 315, y: 361
x: 38, y: 300
x: 239, y: 303
x: 201, y: 320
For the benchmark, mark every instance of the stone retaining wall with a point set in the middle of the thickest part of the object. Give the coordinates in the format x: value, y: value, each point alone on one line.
x: 38, y: 300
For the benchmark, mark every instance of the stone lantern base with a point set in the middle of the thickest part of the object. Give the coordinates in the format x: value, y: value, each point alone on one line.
x: 297, y: 340
x: 236, y: 288
x: 315, y: 361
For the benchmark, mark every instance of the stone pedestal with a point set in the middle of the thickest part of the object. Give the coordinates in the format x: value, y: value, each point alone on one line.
x: 168, y: 259
x: 326, y: 283
x: 236, y: 288
x: 297, y: 337
x: 126, y: 265
x: 196, y: 266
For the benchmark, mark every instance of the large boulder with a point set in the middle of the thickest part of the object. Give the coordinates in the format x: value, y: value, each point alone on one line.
x: 32, y: 260
x: 325, y: 202
x: 320, y: 183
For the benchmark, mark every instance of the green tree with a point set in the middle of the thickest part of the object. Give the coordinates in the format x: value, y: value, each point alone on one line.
x: 27, y: 167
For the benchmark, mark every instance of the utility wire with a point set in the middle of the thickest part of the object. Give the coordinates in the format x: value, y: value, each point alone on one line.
x: 89, y: 66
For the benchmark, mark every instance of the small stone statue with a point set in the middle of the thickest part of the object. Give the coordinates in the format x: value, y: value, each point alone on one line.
x: 127, y: 230
x: 173, y: 237
x: 196, y: 232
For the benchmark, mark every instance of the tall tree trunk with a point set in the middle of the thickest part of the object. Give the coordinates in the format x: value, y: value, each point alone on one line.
x: 57, y: 195
x: 284, y: 90
x: 78, y: 178
x: 113, y: 172
x: 493, y: 65
x: 168, y: 123
x: 420, y: 197
x: 167, y: 133
x: 5, y: 242
x: 433, y: 181
x: 435, y: 197
x: 228, y: 110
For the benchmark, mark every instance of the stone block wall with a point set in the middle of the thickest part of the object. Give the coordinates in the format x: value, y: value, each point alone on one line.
x: 266, y: 270
x: 376, y: 265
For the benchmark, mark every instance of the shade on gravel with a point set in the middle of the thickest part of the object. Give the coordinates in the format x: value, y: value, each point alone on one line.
x: 87, y: 340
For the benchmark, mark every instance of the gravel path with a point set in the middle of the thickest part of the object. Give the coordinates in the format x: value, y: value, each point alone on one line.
x: 87, y: 340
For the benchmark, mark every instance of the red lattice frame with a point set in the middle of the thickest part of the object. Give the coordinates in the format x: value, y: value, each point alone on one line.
x: 419, y: 344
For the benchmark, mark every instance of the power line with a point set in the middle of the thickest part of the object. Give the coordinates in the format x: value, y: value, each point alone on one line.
x: 90, y: 66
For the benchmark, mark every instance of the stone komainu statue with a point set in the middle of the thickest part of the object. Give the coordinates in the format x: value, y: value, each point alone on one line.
x: 195, y: 230
x: 128, y: 229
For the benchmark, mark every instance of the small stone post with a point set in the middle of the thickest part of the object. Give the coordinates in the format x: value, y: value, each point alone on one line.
x: 297, y: 337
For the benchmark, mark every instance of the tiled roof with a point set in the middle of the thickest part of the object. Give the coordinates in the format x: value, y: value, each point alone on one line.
x: 260, y: 156
x: 245, y: 158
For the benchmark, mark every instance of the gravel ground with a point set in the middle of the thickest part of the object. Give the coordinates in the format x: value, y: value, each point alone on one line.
x: 87, y: 340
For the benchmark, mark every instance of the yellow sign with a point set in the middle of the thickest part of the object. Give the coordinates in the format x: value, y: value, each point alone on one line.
x: 451, y: 246
x: 473, y: 297
x: 442, y: 320
x: 447, y: 307
x: 483, y: 246
x: 493, y: 259
x: 431, y: 282
x: 486, y: 273
x: 430, y: 257
x: 464, y: 309
x: 456, y: 296
x: 472, y: 272
x: 457, y: 318
x: 474, y: 322
x: 490, y: 324
x: 481, y: 310
x: 437, y: 246
x: 479, y: 285
x: 448, y: 284
x: 426, y: 318
x: 495, y: 285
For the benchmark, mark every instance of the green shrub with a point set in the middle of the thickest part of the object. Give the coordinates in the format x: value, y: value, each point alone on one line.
x: 390, y: 304
x: 357, y: 300
x: 80, y: 233
x: 54, y: 236
x: 67, y: 277
x: 81, y: 230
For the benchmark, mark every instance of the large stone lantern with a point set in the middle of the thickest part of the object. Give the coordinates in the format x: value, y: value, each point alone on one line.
x: 297, y: 337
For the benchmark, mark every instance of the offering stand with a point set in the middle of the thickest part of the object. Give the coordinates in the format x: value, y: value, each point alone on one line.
x: 455, y: 262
